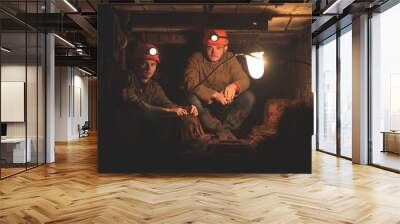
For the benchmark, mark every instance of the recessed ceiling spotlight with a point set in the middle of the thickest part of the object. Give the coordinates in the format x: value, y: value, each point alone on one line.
x: 5, y: 50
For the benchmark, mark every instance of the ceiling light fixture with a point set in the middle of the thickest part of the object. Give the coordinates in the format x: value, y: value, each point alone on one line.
x: 70, y: 5
x: 337, y: 7
x: 65, y: 41
x: 84, y: 71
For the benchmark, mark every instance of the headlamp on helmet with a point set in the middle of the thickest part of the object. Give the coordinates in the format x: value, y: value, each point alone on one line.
x: 215, y: 37
x: 147, y: 51
x: 153, y: 51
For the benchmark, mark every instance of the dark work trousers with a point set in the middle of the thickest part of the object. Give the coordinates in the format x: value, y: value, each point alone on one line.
x: 217, y: 118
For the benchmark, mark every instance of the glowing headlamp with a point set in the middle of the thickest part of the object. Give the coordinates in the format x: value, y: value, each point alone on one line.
x: 215, y: 37
x: 153, y: 51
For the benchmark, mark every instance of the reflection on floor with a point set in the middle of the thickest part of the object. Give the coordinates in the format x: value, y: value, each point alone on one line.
x: 10, y: 171
x: 386, y: 159
x: 346, y: 152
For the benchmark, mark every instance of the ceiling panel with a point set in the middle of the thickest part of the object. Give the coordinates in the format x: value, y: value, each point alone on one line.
x: 188, y: 8
x: 278, y: 23
x: 299, y: 23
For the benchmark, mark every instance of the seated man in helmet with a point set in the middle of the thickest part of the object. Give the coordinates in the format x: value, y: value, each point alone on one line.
x: 223, y: 99
x: 153, y: 113
x: 144, y: 93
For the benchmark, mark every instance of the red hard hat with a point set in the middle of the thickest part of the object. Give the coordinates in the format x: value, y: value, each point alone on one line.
x: 215, y: 37
x: 147, y: 51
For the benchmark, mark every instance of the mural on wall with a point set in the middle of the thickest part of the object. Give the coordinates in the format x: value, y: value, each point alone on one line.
x: 205, y: 88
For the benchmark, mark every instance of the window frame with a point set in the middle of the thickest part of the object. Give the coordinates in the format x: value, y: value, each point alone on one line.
x: 380, y: 9
x: 334, y: 37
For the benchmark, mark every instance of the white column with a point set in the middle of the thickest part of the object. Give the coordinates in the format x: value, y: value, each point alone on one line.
x: 360, y: 90
x: 50, y: 93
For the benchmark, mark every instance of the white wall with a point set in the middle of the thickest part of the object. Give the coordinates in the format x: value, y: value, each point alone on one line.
x: 71, y: 102
x: 61, y: 103
x: 33, y: 127
x: 16, y: 73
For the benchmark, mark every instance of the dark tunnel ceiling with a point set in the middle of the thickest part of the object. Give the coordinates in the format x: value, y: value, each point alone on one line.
x: 273, y: 23
x: 273, y: 17
x: 283, y: 20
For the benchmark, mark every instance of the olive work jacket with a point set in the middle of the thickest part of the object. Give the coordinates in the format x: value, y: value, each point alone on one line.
x: 198, y: 67
x: 149, y: 97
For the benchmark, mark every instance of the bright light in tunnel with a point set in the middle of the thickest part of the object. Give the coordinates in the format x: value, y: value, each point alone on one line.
x: 255, y: 64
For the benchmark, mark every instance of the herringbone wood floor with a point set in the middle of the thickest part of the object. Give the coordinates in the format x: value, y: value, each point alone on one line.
x: 71, y: 191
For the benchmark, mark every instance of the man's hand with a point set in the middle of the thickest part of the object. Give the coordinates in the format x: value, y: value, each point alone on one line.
x: 229, y: 92
x: 178, y: 111
x: 193, y: 111
x: 220, y: 98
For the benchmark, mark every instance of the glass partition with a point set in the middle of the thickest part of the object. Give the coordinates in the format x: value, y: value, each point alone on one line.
x: 385, y: 89
x: 327, y: 96
x: 346, y: 93
x: 32, y: 95
x: 14, y: 153
x: 22, y: 92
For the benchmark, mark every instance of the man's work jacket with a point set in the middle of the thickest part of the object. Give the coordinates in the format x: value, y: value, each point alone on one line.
x: 198, y: 67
